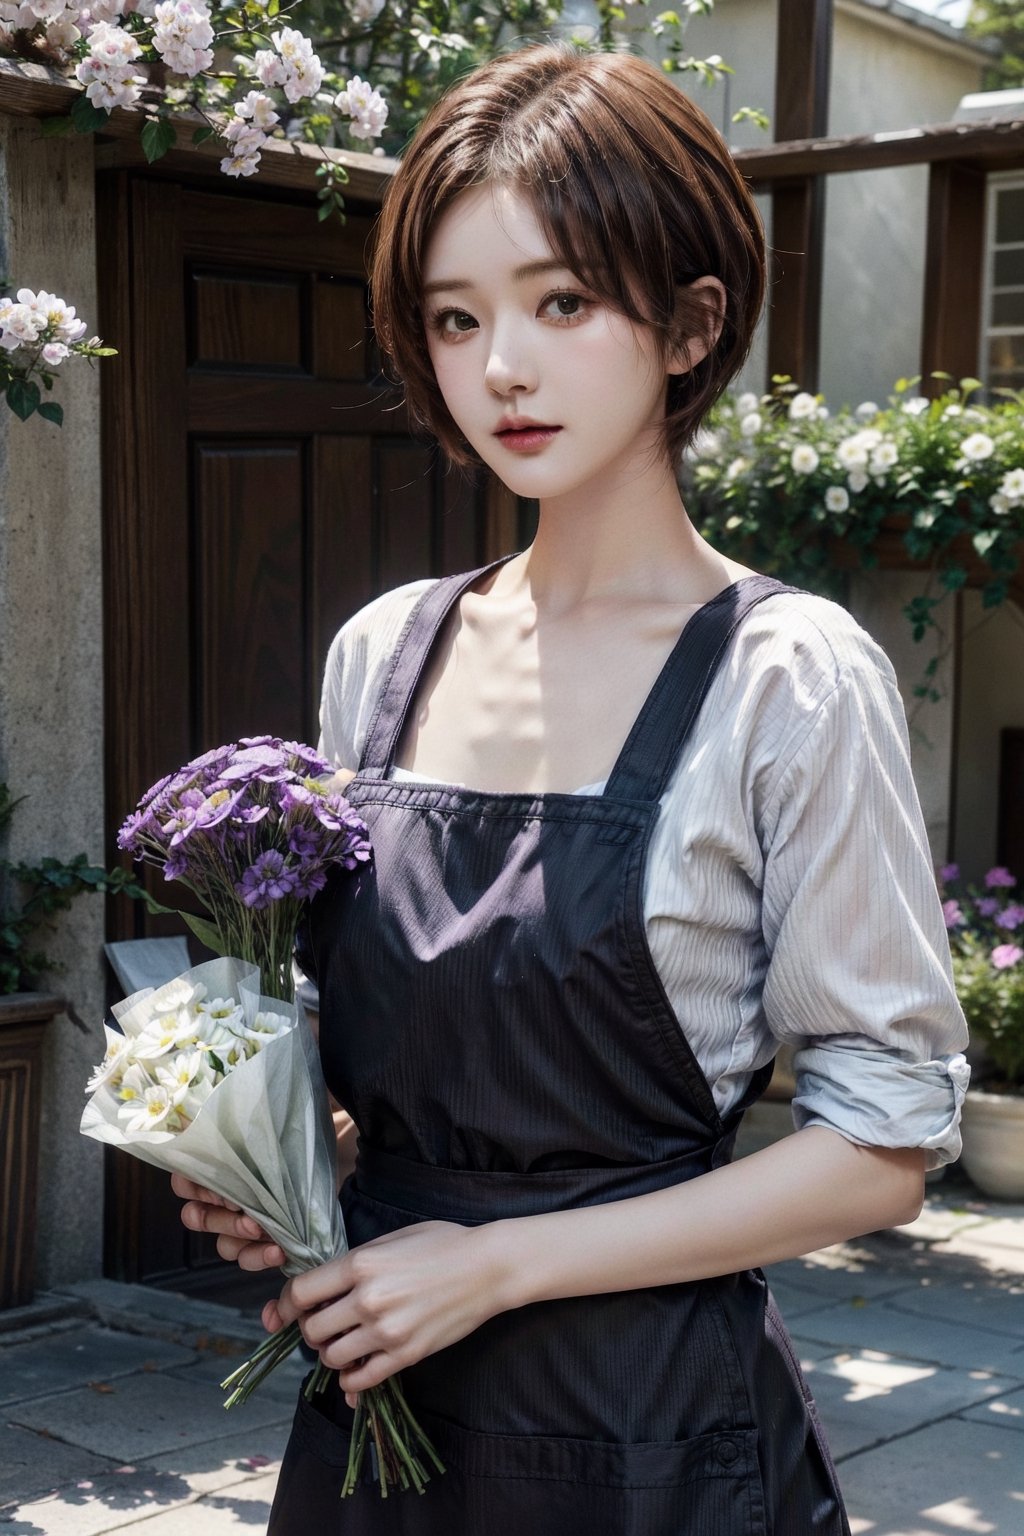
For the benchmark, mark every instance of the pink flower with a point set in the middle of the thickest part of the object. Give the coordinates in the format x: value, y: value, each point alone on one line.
x: 1005, y: 955
x: 952, y: 913
x: 999, y: 878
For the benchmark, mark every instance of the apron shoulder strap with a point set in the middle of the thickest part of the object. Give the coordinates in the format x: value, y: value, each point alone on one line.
x: 408, y: 661
x: 648, y: 758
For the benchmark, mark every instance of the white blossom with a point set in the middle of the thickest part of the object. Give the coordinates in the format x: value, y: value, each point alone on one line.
x: 884, y: 457
x: 47, y: 10
x: 852, y: 452
x: 149, y: 1112
x: 953, y: 409
x: 259, y: 108
x: 804, y: 459
x: 54, y: 353
x: 999, y: 503
x: 803, y: 406
x: 106, y: 71
x: 63, y: 32
x: 735, y: 468
x: 750, y: 424
x: 977, y: 447
x: 857, y: 480
x: 366, y: 107
x: 916, y: 405
x: 746, y: 403
x: 837, y: 498
x: 182, y: 36
x: 1012, y: 485
x: 366, y: 10
x: 866, y: 410
x: 303, y: 74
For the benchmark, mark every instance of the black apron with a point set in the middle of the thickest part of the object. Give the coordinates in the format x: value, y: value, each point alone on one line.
x: 492, y: 1019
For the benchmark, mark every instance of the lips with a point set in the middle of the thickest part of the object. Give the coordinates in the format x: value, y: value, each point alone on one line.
x: 522, y: 433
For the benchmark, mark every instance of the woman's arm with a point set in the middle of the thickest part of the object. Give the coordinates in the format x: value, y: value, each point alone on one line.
x: 406, y: 1295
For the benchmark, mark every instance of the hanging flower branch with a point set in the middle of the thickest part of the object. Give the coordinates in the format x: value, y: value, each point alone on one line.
x: 38, y: 332
x: 247, y: 74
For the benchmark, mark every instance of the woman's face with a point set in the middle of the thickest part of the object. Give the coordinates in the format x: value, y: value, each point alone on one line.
x: 556, y: 392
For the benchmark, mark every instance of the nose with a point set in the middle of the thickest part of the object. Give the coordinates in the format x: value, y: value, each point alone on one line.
x: 510, y: 367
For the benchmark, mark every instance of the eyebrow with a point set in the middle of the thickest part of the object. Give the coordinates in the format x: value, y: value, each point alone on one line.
x: 519, y: 275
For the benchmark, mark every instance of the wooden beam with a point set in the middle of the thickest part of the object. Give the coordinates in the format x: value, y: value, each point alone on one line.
x: 953, y: 279
x: 33, y: 90
x: 802, y: 67
x: 998, y: 144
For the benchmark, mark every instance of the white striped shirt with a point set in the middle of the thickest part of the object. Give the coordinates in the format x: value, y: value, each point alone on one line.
x: 789, y: 894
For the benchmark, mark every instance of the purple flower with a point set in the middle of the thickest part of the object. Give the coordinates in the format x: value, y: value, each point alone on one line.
x: 157, y: 789
x: 988, y: 906
x: 304, y: 841
x: 1005, y: 955
x: 304, y: 759
x: 129, y: 837
x: 267, y: 879
x: 1011, y: 916
x: 176, y: 865
x: 952, y: 913
x: 310, y: 879
x: 999, y: 878
x: 949, y: 872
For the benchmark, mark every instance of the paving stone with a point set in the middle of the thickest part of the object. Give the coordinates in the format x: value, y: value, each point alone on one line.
x: 77, y: 1356
x: 211, y: 1367
x: 128, y: 1498
x: 956, y: 1476
x: 142, y: 1416
x: 1003, y: 1412
x: 882, y: 1326
x: 243, y: 1507
x: 979, y: 1303
x: 850, y: 1281
x: 867, y: 1396
x: 33, y: 1463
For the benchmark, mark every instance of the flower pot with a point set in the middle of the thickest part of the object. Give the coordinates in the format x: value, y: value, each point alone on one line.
x: 23, y: 1017
x: 993, y: 1134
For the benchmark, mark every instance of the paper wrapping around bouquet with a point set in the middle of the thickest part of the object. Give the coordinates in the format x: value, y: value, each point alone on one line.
x: 264, y: 1139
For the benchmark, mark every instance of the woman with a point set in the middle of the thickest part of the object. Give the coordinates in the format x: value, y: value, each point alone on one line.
x: 638, y: 816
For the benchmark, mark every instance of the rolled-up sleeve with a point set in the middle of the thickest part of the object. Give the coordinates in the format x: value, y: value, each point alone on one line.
x: 859, y: 979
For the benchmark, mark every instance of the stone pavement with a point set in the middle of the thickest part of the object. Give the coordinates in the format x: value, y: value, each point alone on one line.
x: 912, y: 1340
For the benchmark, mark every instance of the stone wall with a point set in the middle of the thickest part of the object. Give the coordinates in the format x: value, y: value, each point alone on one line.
x: 51, y: 679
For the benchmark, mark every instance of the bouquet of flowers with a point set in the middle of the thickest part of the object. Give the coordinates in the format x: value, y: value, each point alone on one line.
x: 216, y: 1075
x: 986, y: 932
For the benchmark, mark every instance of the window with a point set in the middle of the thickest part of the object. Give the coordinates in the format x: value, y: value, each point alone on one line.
x: 1002, y: 339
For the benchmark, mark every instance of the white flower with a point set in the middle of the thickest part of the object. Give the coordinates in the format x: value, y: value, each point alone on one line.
x: 182, y: 35
x: 269, y: 68
x: 175, y: 995
x: 304, y: 74
x: 165, y: 1033
x: 46, y: 10
x: 884, y: 457
x: 106, y: 72
x: 856, y: 480
x: 54, y: 352
x: 259, y: 108
x: 750, y: 424
x: 837, y: 498
x: 116, y: 1058
x: 866, y: 410
x: 1012, y: 485
x: 149, y: 1112
x: 852, y: 452
x: 999, y: 503
x: 804, y: 459
x: 62, y: 32
x: 822, y: 413
x: 802, y: 407
x: 977, y: 447
x: 746, y: 403
x: 916, y: 405
x: 245, y: 139
x: 953, y: 410
x: 366, y: 10
x: 178, y: 1074
x: 870, y: 437
x: 240, y: 165
x: 735, y: 468
x: 367, y: 108
x: 705, y: 444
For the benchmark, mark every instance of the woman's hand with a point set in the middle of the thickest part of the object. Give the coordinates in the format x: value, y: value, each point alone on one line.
x: 394, y: 1300
x: 239, y: 1239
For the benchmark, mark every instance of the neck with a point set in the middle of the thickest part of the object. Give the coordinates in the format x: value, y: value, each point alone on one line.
x: 619, y: 542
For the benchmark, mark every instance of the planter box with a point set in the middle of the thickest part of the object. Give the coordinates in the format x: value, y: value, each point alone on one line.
x: 23, y: 1018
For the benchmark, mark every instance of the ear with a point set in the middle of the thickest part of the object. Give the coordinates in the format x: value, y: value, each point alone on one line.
x: 700, y: 315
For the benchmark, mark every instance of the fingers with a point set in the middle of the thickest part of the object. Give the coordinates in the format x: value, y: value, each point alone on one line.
x: 188, y: 1190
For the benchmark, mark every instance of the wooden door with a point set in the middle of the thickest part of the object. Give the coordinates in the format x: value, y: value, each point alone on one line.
x: 261, y: 484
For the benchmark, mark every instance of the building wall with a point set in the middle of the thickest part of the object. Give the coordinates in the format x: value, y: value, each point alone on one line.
x: 884, y: 76
x: 51, y: 695
x: 992, y: 647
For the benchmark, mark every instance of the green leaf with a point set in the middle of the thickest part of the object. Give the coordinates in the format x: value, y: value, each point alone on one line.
x: 52, y: 126
x: 52, y: 411
x: 206, y: 932
x: 158, y: 136
x: 86, y: 117
x: 202, y: 134
x: 324, y: 211
x: 23, y: 397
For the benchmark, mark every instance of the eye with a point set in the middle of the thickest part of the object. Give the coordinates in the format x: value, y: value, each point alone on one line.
x: 564, y: 306
x: 452, y: 322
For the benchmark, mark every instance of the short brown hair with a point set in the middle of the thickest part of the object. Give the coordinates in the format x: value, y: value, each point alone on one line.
x: 634, y: 188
